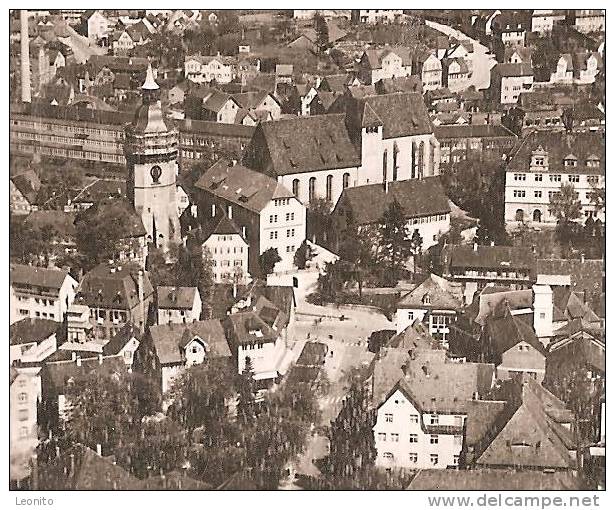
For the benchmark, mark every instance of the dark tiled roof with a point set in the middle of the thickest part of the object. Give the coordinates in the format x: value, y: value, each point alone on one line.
x: 431, y: 381
x: 313, y: 354
x: 510, y: 70
x: 99, y: 473
x: 513, y: 257
x: 176, y: 297
x: 243, y: 324
x: 324, y: 144
x: 31, y: 330
x: 402, y: 84
x: 21, y: 274
x: 28, y: 184
x: 417, y: 197
x: 511, y: 330
x: 61, y: 371
x: 559, y: 146
x: 439, y: 292
x: 472, y: 131
x: 120, y: 339
x: 250, y: 100
x: 240, y: 185
x: 204, y: 127
x: 102, y: 288
x: 532, y: 436
x: 170, y: 339
x: 491, y: 479
x: 401, y: 113
x: 174, y: 480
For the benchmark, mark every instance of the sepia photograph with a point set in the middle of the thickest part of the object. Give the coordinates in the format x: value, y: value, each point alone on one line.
x: 307, y: 249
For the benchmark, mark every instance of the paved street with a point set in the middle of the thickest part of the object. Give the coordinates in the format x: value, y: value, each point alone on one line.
x: 482, y: 62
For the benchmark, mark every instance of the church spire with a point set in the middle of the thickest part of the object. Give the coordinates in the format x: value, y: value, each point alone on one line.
x: 150, y: 82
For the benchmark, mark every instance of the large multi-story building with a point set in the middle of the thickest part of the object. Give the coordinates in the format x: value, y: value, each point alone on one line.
x: 376, y: 65
x: 587, y: 20
x: 422, y: 402
x: 205, y: 69
x: 477, y: 267
x: 542, y: 163
x: 423, y: 203
x: 25, y: 394
x: 373, y: 16
x: 459, y: 142
x: 115, y: 294
x: 508, y: 81
x: 266, y: 212
x: 38, y: 292
x: 85, y: 134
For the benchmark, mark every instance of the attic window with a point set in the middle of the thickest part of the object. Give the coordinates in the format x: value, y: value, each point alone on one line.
x: 292, y: 163
x: 322, y: 158
x: 593, y: 161
x: 570, y: 160
x: 285, y: 143
x: 426, y: 299
x: 339, y: 158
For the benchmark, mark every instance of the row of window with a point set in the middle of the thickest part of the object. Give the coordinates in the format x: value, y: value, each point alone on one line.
x: 236, y: 249
x: 520, y: 193
x: 99, y: 313
x: 393, y: 437
x: 273, y: 218
x: 592, y: 179
x: 43, y: 315
x: 227, y: 263
x: 414, y: 458
x: 434, y: 419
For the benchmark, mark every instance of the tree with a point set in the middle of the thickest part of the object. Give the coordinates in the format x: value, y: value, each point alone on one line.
x: 351, y: 437
x: 246, y: 393
x: 168, y: 47
x: 597, y: 196
x: 99, y: 238
x: 28, y: 244
x: 199, y: 398
x: 395, y: 244
x: 330, y: 281
x: 318, y: 220
x: 107, y: 409
x: 416, y: 247
x: 356, y: 249
x: 566, y: 207
x: 268, y: 259
x: 160, y: 446
x: 303, y: 255
x: 322, y: 31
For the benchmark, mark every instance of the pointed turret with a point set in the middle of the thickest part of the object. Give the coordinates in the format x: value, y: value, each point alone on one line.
x: 150, y: 82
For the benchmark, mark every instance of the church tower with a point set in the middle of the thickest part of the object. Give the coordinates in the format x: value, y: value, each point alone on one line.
x: 151, y: 155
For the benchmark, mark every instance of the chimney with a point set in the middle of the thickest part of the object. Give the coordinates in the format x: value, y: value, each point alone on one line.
x: 100, y: 359
x: 230, y: 212
x: 26, y: 92
x: 582, y: 258
x: 475, y: 246
x: 72, y: 464
x: 99, y: 449
x: 78, y: 361
x: 543, y: 311
x: 492, y: 243
x: 73, y: 356
x: 140, y: 291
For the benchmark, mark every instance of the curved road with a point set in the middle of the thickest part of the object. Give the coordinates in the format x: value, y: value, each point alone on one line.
x: 482, y: 61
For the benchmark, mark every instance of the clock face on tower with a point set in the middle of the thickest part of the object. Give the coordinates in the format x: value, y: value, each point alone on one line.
x: 155, y: 172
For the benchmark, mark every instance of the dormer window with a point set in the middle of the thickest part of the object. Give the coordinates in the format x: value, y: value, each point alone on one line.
x: 593, y: 161
x: 426, y: 299
x: 570, y: 160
